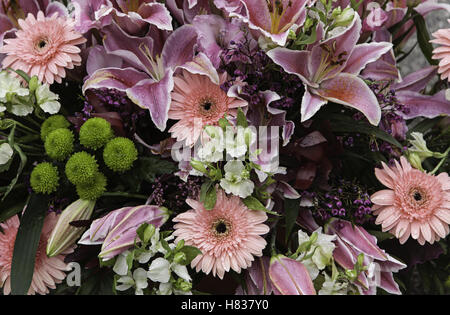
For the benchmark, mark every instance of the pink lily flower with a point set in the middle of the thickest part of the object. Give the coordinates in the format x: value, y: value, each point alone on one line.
x: 151, y: 62
x: 270, y: 18
x: 354, y: 240
x: 117, y: 230
x: 257, y: 278
x: 330, y: 69
x: 133, y: 16
x: 290, y: 277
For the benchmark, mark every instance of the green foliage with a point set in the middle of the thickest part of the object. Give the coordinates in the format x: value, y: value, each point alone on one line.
x: 59, y: 144
x: 52, y: 123
x: 44, y: 178
x: 81, y: 168
x: 27, y: 243
x: 95, y: 133
x: 120, y: 154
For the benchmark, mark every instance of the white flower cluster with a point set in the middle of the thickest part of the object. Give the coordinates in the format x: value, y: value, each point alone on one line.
x: 21, y: 101
x: 317, y: 256
x: 160, y: 270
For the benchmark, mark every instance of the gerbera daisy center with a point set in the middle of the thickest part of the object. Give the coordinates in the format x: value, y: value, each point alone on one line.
x: 221, y: 227
x: 418, y: 196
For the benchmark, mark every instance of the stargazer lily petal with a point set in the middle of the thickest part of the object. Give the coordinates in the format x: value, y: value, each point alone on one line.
x: 290, y: 277
x: 348, y: 89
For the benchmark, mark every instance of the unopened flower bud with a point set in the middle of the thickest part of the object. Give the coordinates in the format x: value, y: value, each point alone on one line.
x: 65, y: 235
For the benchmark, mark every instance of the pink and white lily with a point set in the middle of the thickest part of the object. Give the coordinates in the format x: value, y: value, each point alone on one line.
x: 330, y: 69
x: 352, y: 240
x: 117, y: 230
x: 290, y: 277
x: 270, y: 18
x: 148, y: 80
x: 133, y: 16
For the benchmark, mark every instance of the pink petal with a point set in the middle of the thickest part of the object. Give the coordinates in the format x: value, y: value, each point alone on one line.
x: 348, y: 89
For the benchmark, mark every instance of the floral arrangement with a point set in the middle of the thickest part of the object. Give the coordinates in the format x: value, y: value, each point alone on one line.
x: 223, y: 147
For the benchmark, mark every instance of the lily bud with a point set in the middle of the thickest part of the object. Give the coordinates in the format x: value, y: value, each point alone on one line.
x: 290, y: 277
x: 65, y: 235
x: 415, y: 161
x: 33, y: 84
x: 197, y: 165
x: 419, y: 146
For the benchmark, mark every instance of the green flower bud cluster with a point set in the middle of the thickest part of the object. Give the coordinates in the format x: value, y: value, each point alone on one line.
x: 51, y: 124
x: 82, y: 168
x: 95, y: 133
x: 59, y: 144
x: 120, y: 154
x: 82, y: 171
x: 44, y: 178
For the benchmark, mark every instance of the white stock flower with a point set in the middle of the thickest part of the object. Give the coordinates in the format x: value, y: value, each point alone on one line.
x: 332, y: 287
x: 236, y: 180
x: 10, y: 85
x: 211, y: 151
x: 321, y: 249
x: 159, y: 270
x: 47, y: 100
x: 6, y: 153
x: 121, y: 265
x: 140, y: 280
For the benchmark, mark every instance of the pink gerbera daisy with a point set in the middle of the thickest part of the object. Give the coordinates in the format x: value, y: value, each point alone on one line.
x: 443, y: 38
x: 197, y: 102
x: 417, y: 204
x: 228, y: 235
x: 47, y: 271
x: 44, y: 47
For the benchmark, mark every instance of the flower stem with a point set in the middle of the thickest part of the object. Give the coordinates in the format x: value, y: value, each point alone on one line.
x: 444, y: 158
x: 124, y: 194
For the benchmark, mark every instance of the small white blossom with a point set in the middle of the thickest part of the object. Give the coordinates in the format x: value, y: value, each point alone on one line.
x: 332, y: 287
x: 159, y: 270
x: 121, y: 265
x: 10, y: 85
x: 47, y: 100
x: 321, y: 249
x: 236, y: 180
x: 6, y: 153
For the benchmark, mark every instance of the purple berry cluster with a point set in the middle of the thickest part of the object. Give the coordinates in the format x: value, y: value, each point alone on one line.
x: 345, y: 200
x: 256, y: 69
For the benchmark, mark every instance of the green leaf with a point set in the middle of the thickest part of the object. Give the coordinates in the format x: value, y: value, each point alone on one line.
x: 344, y: 124
x: 210, y: 198
x: 23, y: 162
x: 191, y: 252
x: 204, y: 190
x: 423, y: 38
x: 423, y: 126
x: 254, y: 204
x: 26, y: 245
x: 6, y: 124
x: 241, y: 119
x: 150, y: 167
x: 309, y: 39
x: 25, y: 76
x: 291, y: 209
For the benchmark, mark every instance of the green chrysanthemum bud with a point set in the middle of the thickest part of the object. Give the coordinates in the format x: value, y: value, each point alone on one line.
x: 44, y: 178
x: 59, y: 144
x: 120, y: 154
x: 52, y: 123
x: 94, y: 189
x: 95, y: 133
x: 81, y: 168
